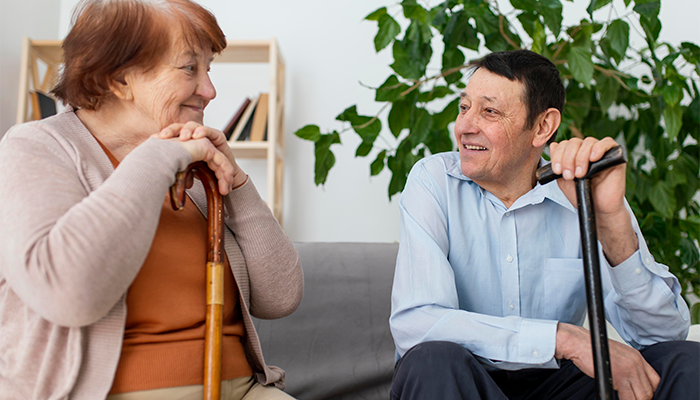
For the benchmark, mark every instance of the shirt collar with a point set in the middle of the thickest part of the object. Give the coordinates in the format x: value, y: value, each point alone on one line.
x: 536, y: 195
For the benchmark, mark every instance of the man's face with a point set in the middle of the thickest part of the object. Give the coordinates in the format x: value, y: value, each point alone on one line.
x: 494, y: 145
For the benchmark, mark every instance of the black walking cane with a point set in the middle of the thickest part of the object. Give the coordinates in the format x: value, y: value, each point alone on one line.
x: 591, y: 263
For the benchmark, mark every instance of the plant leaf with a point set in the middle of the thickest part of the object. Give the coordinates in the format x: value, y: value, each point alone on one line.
x: 452, y: 58
x: 619, y: 36
x: 421, y: 126
x: 363, y: 149
x: 437, y: 92
x: 378, y: 164
x: 648, y: 9
x: 581, y: 65
x: 413, y: 10
x: 399, y: 117
x: 439, y: 141
x: 673, y: 119
x: 412, y: 54
x: 325, y: 159
x: 597, y: 5
x: 608, y: 89
x: 376, y: 14
x: 390, y: 90
x: 551, y: 11
x: 527, y: 21
x: 672, y: 95
x: 388, y: 30
x: 309, y: 132
x: 447, y: 115
x: 523, y: 5
x: 695, y: 314
x: 662, y: 199
x: 689, y: 252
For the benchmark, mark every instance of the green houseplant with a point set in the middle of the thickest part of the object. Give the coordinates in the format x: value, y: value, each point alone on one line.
x: 646, y: 97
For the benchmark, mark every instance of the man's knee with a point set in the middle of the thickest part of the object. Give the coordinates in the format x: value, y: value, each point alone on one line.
x: 681, y: 352
x: 676, y: 362
x: 436, y: 358
x: 440, y: 370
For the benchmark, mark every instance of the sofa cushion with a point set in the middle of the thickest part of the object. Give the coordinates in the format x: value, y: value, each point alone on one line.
x: 337, y: 344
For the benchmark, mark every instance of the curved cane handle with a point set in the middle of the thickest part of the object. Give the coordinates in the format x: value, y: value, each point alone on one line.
x: 615, y: 156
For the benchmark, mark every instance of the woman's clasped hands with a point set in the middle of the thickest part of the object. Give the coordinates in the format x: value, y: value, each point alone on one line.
x: 208, y: 145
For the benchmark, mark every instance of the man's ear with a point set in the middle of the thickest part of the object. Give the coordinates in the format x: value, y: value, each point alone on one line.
x: 546, y: 126
x: 121, y: 88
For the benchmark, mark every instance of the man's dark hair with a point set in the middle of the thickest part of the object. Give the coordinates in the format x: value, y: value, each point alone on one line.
x: 543, y: 86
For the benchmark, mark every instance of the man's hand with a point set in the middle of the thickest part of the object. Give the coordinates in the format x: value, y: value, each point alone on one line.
x: 571, y: 158
x: 633, y: 377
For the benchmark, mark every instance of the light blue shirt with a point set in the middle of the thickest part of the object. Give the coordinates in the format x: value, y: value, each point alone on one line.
x: 497, y: 280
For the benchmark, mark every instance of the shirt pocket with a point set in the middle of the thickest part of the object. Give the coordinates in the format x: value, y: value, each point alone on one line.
x: 564, y: 290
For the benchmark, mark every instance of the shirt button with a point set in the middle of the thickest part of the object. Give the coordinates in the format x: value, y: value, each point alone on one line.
x: 511, y: 306
x: 646, y: 260
x: 535, y: 353
x: 508, y: 214
x: 509, y: 258
x: 638, y: 271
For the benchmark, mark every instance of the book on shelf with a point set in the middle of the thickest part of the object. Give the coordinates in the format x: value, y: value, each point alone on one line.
x: 246, y: 120
x: 42, y: 105
x: 259, y: 127
x: 228, y: 130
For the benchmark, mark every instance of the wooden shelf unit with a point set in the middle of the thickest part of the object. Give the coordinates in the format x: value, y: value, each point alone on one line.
x: 49, y: 53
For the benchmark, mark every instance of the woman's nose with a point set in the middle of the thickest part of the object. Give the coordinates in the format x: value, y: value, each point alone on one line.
x: 205, y: 88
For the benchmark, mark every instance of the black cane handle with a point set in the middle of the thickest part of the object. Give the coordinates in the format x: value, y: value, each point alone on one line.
x: 615, y: 156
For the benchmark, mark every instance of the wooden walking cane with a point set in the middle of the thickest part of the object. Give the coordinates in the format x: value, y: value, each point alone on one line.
x: 215, y: 270
x: 591, y: 263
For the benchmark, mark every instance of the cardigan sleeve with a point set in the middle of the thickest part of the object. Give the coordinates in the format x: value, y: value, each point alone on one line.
x: 274, y: 267
x: 70, y: 245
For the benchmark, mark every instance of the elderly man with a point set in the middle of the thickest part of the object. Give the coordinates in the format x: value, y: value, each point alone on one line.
x: 488, y: 297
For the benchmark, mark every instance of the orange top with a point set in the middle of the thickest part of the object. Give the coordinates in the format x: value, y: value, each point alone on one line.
x: 166, y: 305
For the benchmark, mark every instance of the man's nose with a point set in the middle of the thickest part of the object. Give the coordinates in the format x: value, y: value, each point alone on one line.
x: 466, y: 123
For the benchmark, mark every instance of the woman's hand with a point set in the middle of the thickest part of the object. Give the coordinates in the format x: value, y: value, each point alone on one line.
x: 192, y: 136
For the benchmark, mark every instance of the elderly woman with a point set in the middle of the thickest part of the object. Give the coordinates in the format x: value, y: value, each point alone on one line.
x: 102, y: 284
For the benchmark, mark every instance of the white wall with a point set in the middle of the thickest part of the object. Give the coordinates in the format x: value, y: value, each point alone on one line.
x: 34, y: 18
x: 328, y: 50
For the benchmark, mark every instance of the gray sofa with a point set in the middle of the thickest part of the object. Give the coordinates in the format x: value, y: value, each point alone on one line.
x: 337, y: 345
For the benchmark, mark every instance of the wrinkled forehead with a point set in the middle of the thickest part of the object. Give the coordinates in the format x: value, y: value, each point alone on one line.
x: 495, y: 89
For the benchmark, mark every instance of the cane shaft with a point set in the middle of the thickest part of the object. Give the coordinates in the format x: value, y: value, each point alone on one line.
x: 215, y: 272
x: 594, y: 290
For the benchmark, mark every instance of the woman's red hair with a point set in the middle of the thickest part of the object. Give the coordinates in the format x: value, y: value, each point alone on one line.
x: 110, y: 36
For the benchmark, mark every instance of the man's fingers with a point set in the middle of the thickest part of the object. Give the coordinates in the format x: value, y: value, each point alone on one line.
x: 582, y: 157
x: 652, y: 375
x: 568, y: 158
x: 600, y: 147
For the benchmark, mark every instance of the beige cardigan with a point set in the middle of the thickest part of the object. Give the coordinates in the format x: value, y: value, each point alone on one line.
x: 74, y: 233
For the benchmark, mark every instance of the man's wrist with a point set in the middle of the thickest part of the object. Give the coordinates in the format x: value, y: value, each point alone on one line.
x: 617, y: 237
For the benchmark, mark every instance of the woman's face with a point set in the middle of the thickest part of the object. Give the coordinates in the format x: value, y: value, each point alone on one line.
x: 177, y: 90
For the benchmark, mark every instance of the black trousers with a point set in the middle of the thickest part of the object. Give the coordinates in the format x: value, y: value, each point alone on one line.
x: 446, y: 370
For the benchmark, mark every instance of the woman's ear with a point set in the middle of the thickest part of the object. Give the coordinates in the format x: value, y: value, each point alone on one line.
x: 121, y: 88
x: 547, y: 125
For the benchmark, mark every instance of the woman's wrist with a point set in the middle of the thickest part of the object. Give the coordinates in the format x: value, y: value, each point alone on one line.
x: 239, y: 179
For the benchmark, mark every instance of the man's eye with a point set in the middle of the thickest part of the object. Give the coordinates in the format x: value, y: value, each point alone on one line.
x: 189, y: 68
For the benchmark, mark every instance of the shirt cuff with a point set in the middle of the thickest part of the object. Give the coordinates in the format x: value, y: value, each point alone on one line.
x: 538, y: 341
